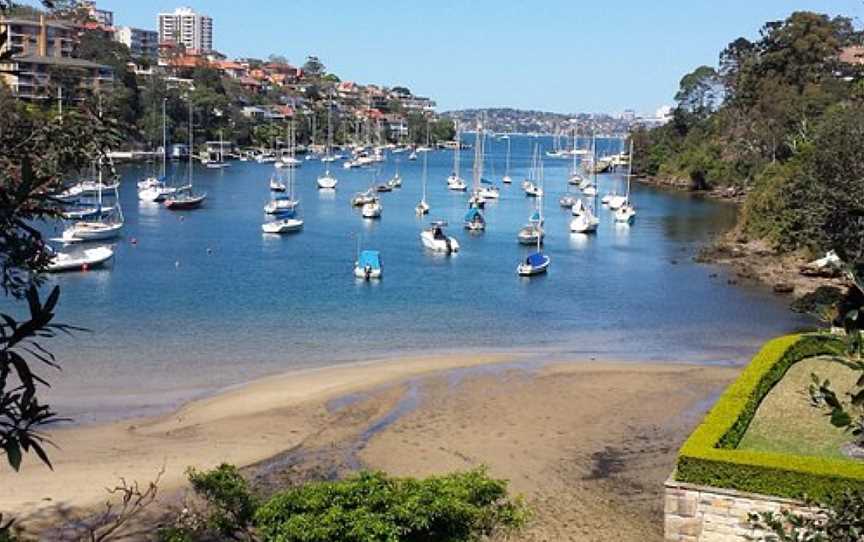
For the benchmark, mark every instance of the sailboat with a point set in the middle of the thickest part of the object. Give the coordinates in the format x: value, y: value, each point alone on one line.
x: 626, y: 212
x: 575, y: 178
x: 396, y: 180
x: 536, y: 263
x: 529, y: 185
x: 372, y: 209
x: 289, y: 160
x: 155, y: 190
x: 276, y: 185
x: 220, y: 163
x: 283, y: 204
x: 454, y: 181
x: 474, y: 219
x: 98, y: 229
x: 328, y: 181
x: 506, y: 178
x: 185, y: 198
x: 435, y: 238
x: 423, y: 207
x: 587, y: 221
x: 533, y: 231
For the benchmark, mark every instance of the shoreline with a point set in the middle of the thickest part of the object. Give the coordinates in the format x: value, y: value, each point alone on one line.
x: 748, y: 261
x: 258, y: 422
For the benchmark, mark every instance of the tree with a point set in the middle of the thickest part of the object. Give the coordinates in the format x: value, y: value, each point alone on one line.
x: 699, y: 92
x: 314, y: 67
x: 38, y: 149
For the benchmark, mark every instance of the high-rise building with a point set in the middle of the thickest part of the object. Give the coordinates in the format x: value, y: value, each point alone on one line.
x: 186, y: 27
x: 141, y: 43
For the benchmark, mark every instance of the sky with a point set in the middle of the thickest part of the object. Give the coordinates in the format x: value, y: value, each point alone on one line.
x: 555, y: 55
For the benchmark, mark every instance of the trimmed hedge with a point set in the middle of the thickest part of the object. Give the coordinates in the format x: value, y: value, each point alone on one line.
x: 709, y: 457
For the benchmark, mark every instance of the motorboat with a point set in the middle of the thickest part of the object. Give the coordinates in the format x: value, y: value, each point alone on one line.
x: 395, y: 182
x: 532, y: 190
x: 276, y: 185
x: 490, y: 192
x: 284, y: 225
x: 368, y: 265
x: 434, y: 238
x: 567, y: 201
x: 384, y: 187
x: 625, y: 214
x: 90, y: 258
x: 456, y: 183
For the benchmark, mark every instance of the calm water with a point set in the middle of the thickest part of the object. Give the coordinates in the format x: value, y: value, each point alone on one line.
x: 203, y: 300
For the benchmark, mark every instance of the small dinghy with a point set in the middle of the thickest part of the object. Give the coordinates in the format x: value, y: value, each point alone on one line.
x: 90, y: 258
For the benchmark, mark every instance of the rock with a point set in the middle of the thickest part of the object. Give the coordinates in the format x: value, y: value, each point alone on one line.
x: 783, y: 288
x: 732, y: 282
x: 824, y: 296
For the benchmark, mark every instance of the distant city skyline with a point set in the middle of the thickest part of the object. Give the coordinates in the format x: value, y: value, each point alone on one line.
x: 564, y: 57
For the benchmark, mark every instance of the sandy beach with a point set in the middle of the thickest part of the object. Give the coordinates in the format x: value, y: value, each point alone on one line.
x: 587, y: 443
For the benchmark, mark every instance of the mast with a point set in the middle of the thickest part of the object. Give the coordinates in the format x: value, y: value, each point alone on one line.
x: 507, y: 160
x: 164, y: 141
x: 575, y: 138
x: 630, y: 168
x: 423, y: 178
x: 478, y: 157
x: 457, y: 157
x: 191, y: 144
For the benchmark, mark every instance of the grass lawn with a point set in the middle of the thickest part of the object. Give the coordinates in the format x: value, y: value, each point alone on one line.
x: 785, y: 422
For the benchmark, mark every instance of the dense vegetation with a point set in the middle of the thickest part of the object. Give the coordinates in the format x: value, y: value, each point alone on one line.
x: 367, y: 507
x: 779, y: 119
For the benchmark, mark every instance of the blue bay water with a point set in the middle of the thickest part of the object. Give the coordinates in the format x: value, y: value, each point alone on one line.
x: 202, y: 300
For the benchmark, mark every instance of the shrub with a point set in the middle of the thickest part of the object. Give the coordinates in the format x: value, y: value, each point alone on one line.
x: 373, y: 507
x: 231, y: 504
x: 709, y: 456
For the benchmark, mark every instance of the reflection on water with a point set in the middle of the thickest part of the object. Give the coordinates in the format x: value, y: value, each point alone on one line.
x: 204, y: 300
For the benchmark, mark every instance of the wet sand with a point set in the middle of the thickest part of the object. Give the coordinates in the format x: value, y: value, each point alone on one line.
x: 587, y: 443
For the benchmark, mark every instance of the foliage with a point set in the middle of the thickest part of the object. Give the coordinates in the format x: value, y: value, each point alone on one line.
x: 779, y: 117
x: 314, y: 67
x: 231, y: 505
x: 374, y: 507
x: 709, y: 456
x: 839, y: 520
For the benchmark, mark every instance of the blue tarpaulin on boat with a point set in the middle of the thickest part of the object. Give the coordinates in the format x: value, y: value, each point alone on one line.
x: 536, y: 260
x: 535, y: 217
x: 473, y: 214
x: 485, y: 181
x: 370, y: 258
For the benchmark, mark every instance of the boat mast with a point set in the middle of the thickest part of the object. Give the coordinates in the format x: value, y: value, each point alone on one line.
x: 457, y: 157
x: 630, y: 168
x: 507, y: 160
x: 191, y: 146
x: 478, y: 157
x: 423, y: 178
x: 164, y: 140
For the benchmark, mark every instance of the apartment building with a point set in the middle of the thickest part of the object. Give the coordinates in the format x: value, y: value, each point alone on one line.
x: 142, y: 43
x: 185, y: 27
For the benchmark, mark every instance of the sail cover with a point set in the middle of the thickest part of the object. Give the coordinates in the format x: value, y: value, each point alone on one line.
x: 536, y: 260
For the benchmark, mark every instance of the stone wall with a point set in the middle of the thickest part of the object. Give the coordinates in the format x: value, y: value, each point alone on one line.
x: 707, y: 514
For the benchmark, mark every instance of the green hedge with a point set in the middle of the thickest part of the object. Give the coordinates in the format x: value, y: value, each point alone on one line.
x: 709, y: 457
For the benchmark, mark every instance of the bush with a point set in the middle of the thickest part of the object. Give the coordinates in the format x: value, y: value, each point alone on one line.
x: 231, y: 504
x: 373, y: 507
x: 709, y: 456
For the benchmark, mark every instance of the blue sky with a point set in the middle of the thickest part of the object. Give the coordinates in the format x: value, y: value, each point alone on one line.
x: 554, y: 55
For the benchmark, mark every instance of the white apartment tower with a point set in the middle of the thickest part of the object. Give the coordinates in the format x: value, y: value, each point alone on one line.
x: 184, y: 26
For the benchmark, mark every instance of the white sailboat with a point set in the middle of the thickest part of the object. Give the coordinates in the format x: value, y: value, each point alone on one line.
x: 626, y: 212
x: 533, y: 232
x: 220, y: 163
x: 506, y: 178
x: 328, y: 181
x: 290, y: 159
x: 155, y: 190
x: 372, y: 209
x: 536, y: 263
x: 423, y: 207
x: 277, y: 185
x: 575, y: 178
x: 587, y: 221
x: 474, y: 219
x: 101, y: 228
x: 454, y: 181
x: 530, y: 185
